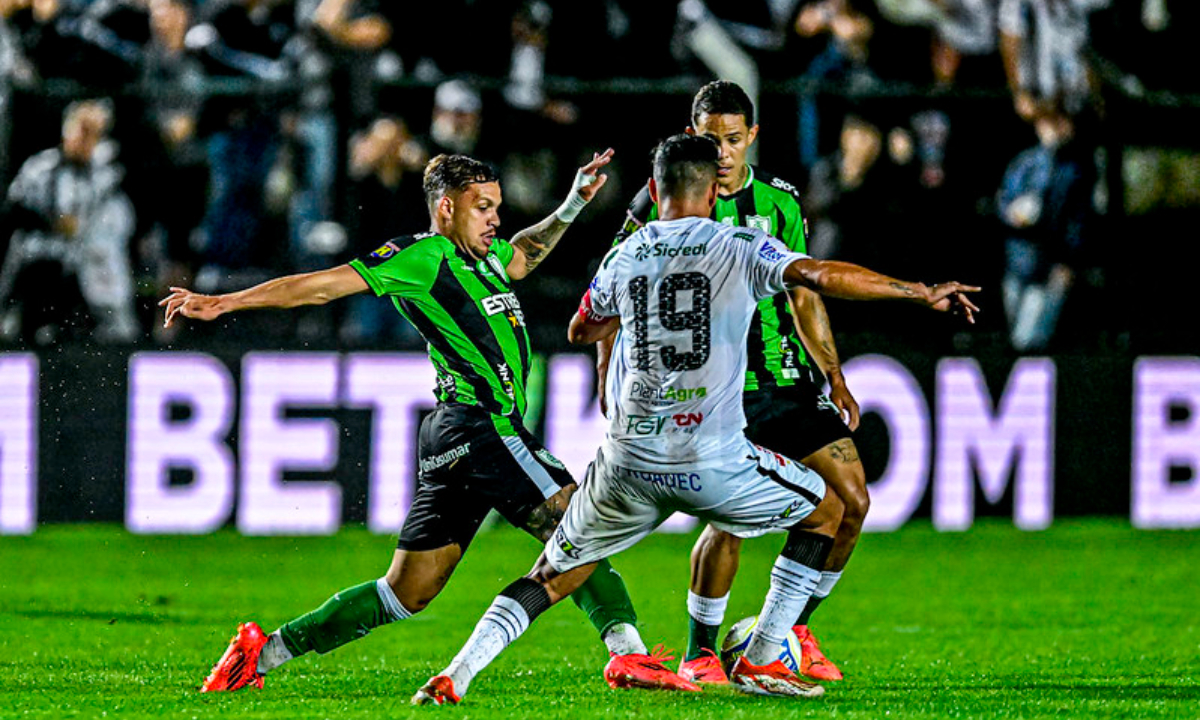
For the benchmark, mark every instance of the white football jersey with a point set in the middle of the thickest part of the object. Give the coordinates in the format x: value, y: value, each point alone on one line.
x: 685, y: 291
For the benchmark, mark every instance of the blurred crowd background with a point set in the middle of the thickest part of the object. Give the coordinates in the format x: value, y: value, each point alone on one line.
x: 1046, y: 149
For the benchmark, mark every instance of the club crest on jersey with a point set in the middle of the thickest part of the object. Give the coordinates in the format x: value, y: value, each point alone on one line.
x: 497, y: 268
x: 759, y: 222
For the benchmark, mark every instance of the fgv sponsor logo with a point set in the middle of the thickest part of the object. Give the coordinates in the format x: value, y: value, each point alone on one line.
x: 644, y: 424
x: 663, y: 250
x: 430, y: 464
x: 674, y: 481
x: 654, y: 424
x: 664, y: 396
x: 768, y: 252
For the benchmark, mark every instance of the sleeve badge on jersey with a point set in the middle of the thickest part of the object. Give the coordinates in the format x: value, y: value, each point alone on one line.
x: 385, y: 251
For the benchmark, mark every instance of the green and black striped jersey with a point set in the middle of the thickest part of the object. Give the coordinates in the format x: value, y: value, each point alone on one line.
x: 776, y: 356
x: 466, y: 312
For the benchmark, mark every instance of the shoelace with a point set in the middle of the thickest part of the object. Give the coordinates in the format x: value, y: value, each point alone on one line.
x: 661, y: 654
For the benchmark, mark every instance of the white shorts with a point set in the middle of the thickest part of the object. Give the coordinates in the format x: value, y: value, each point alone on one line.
x: 756, y: 492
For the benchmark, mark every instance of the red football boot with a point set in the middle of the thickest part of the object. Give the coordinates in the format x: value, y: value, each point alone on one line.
x: 704, y: 670
x: 772, y: 679
x: 238, y: 667
x: 645, y: 671
x: 813, y: 663
x: 438, y: 691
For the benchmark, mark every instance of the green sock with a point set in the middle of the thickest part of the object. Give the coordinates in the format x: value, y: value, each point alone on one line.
x: 348, y: 615
x: 809, y: 607
x: 604, y: 599
x: 700, y: 637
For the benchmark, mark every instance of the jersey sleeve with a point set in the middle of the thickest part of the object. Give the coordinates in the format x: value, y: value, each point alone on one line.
x: 602, y: 290
x: 641, y: 211
x: 390, y: 270
x: 767, y: 260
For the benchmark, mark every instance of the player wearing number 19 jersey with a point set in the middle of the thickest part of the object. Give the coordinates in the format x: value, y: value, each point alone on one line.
x: 784, y: 404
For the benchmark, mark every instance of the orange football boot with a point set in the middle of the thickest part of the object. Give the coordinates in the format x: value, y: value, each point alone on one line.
x: 238, y: 667
x: 772, y: 679
x: 638, y: 670
x: 813, y: 663
x: 704, y: 670
x: 438, y: 691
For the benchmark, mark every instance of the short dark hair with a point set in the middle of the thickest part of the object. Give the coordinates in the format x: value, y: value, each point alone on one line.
x: 685, y: 164
x: 722, y: 97
x: 453, y: 173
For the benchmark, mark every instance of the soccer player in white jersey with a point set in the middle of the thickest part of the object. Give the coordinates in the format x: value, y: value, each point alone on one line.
x: 682, y: 291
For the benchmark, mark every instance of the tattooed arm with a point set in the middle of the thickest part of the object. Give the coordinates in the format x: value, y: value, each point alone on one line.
x: 812, y: 322
x: 533, y: 244
x: 854, y: 282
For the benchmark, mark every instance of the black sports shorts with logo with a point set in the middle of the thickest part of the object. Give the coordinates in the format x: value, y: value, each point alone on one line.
x: 468, y: 466
x: 797, y: 420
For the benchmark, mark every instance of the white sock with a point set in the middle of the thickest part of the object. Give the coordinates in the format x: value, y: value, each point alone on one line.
x: 391, y: 603
x: 623, y: 639
x: 826, y: 583
x: 502, y: 624
x: 791, y: 586
x: 706, y: 610
x: 273, y: 654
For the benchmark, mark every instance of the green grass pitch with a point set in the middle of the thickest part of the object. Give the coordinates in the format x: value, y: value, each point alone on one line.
x: 1089, y: 619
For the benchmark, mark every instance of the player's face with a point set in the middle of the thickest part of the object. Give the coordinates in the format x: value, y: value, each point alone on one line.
x: 475, y: 217
x: 735, y: 139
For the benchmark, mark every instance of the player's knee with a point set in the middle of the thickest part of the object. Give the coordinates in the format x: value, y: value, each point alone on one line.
x: 856, y: 504
x: 827, y: 515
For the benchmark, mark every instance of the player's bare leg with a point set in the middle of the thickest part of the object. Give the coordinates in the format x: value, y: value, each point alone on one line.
x: 603, y: 597
x: 715, y: 559
x: 412, y: 581
x: 838, y: 464
x: 510, y: 614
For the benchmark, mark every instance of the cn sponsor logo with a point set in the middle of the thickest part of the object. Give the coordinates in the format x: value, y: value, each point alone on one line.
x: 768, y: 252
x: 447, y: 458
x: 641, y: 391
x: 688, y: 419
x: 663, y: 250
x: 674, y: 481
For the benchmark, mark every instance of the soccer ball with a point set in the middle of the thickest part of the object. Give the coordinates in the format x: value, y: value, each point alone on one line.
x: 738, y: 639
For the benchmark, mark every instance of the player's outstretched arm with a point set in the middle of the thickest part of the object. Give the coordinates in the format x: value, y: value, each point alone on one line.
x: 587, y: 326
x: 533, y: 244
x: 812, y: 321
x: 854, y: 282
x: 315, y: 288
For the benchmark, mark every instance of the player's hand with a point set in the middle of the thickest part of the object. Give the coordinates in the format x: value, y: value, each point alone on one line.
x: 951, y: 297
x: 599, y: 160
x: 846, y: 404
x: 184, y: 302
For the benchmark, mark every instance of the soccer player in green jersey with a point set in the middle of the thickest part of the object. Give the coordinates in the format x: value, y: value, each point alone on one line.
x: 786, y: 408
x: 453, y: 284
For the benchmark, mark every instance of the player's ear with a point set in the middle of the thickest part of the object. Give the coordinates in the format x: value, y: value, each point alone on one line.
x: 653, y: 191
x: 711, y: 197
x: 690, y: 130
x: 751, y: 135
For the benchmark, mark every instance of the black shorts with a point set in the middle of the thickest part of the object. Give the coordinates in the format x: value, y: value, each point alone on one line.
x: 795, y: 421
x: 471, y: 462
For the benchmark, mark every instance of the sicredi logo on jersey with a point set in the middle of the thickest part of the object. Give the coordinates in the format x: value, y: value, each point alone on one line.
x: 659, y: 249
